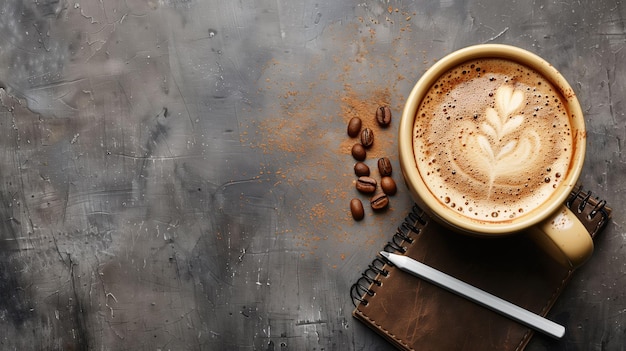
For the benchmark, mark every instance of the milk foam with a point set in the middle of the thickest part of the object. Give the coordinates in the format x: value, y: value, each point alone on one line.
x: 492, y: 139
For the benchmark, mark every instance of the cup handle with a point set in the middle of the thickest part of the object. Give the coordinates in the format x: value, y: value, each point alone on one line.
x: 564, y: 238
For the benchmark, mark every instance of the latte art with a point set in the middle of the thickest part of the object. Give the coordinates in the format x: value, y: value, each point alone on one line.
x: 503, y: 147
x: 492, y: 139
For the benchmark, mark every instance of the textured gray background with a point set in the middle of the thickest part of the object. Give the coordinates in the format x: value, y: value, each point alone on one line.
x: 174, y: 174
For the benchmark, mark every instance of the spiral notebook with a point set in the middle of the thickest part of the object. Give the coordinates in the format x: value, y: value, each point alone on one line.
x: 416, y: 315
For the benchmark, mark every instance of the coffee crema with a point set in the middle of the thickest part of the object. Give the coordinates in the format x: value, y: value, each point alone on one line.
x: 492, y: 139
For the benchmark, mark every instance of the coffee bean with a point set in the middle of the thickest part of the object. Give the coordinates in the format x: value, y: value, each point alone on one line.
x: 358, y: 152
x: 354, y: 127
x: 388, y: 185
x: 366, y: 185
x: 367, y: 137
x: 383, y: 116
x: 384, y: 167
x: 356, y: 208
x: 361, y: 169
x: 379, y: 201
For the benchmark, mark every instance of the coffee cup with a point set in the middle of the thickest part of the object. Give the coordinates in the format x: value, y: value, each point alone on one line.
x: 491, y: 143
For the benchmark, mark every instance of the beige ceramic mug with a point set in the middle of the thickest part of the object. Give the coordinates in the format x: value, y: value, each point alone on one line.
x: 491, y: 143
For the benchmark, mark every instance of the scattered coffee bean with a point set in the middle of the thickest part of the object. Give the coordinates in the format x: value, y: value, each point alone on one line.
x: 367, y: 137
x: 366, y: 185
x: 384, y: 167
x: 354, y: 127
x: 361, y: 169
x: 358, y: 152
x: 388, y: 185
x: 383, y: 116
x: 379, y: 201
x: 356, y: 208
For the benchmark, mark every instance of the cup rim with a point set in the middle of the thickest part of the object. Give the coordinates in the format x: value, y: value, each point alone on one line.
x: 408, y: 164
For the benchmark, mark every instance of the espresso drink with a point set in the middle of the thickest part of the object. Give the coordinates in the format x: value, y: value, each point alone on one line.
x: 492, y: 139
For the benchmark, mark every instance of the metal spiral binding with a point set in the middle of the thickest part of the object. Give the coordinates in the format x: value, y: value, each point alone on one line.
x: 598, y: 208
x: 573, y: 196
x: 376, y: 270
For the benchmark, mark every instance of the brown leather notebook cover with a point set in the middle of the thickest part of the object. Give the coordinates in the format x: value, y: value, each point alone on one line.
x: 414, y: 314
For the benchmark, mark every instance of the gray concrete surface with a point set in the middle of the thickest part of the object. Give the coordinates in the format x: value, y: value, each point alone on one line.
x: 174, y: 174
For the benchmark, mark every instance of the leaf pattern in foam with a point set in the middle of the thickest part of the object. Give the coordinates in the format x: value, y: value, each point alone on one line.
x: 518, y: 157
x: 503, y: 155
x: 493, y: 124
x: 485, y: 146
x: 506, y: 149
x: 512, y: 124
x: 508, y: 100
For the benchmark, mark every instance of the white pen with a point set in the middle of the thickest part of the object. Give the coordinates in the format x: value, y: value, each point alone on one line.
x: 481, y: 297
